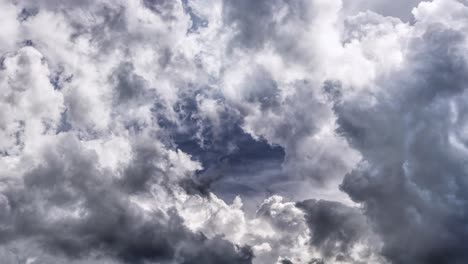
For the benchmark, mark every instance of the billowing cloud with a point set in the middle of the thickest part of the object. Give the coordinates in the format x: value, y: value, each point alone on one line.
x: 222, y: 131
x: 340, y: 232
x: 409, y: 132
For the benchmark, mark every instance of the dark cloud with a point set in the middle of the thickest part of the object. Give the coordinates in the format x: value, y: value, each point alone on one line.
x: 335, y: 229
x: 252, y: 21
x: 412, y: 173
x: 129, y: 86
x: 143, y: 171
x: 71, y: 207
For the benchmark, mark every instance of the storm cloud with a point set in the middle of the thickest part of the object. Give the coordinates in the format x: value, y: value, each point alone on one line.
x: 233, y: 131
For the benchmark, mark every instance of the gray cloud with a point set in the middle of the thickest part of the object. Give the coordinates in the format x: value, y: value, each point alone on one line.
x: 411, y: 175
x: 400, y: 9
x: 71, y: 207
x: 157, y: 131
x: 275, y: 24
x: 129, y: 86
x: 336, y: 229
x: 252, y: 21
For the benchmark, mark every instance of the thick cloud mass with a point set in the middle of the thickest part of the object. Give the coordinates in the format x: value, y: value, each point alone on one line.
x: 233, y: 131
x: 413, y: 173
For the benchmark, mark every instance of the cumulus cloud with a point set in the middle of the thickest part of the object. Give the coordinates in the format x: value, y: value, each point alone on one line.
x: 341, y: 233
x: 221, y: 131
x: 30, y: 105
x: 408, y: 131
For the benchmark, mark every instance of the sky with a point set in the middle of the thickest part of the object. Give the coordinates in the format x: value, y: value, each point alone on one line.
x: 233, y: 132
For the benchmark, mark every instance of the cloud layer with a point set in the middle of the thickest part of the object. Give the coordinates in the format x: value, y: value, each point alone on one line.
x: 222, y: 131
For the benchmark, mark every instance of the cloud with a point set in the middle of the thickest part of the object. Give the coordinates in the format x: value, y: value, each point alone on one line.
x: 411, y: 171
x: 72, y: 207
x: 340, y: 232
x: 399, y: 9
x: 30, y: 106
x: 223, y: 131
